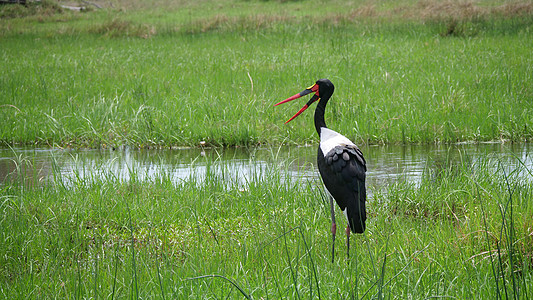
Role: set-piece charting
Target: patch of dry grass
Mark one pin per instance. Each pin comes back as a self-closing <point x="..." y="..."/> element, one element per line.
<point x="224" y="22"/>
<point x="466" y="10"/>
<point x="455" y="15"/>
<point x="118" y="27"/>
<point x="425" y="10"/>
<point x="45" y="8"/>
<point x="441" y="10"/>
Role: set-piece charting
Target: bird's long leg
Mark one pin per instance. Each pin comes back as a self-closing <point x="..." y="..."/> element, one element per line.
<point x="348" y="241"/>
<point x="333" y="228"/>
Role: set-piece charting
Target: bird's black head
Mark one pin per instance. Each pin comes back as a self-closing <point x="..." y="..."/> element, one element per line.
<point x="323" y="89"/>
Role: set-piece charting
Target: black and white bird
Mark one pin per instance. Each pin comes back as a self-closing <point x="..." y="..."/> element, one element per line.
<point x="340" y="162"/>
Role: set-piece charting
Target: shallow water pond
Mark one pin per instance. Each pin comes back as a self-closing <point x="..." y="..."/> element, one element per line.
<point x="386" y="164"/>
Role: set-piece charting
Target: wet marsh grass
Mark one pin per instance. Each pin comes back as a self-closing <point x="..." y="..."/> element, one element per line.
<point x="214" y="237"/>
<point x="177" y="78"/>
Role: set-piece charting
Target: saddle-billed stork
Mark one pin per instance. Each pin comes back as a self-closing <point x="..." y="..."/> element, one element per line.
<point x="340" y="162"/>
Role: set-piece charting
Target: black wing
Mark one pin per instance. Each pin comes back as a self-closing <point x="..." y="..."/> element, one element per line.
<point x="343" y="172"/>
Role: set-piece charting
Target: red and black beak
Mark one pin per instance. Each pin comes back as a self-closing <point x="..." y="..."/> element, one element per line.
<point x="307" y="91"/>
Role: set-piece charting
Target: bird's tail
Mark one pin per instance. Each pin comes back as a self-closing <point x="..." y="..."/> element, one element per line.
<point x="356" y="212"/>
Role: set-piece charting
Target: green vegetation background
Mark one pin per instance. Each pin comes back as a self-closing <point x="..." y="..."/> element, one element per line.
<point x="175" y="74"/>
<point x="178" y="73"/>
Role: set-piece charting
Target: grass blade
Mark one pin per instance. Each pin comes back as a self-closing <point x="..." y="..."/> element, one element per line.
<point x="225" y="278"/>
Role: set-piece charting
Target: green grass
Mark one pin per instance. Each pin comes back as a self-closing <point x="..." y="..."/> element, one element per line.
<point x="185" y="73"/>
<point x="465" y="231"/>
<point x="154" y="78"/>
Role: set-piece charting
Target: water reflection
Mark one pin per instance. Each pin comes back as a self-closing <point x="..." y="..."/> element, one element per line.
<point x="386" y="164"/>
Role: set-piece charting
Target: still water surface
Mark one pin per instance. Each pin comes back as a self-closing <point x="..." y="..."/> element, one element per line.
<point x="386" y="164"/>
